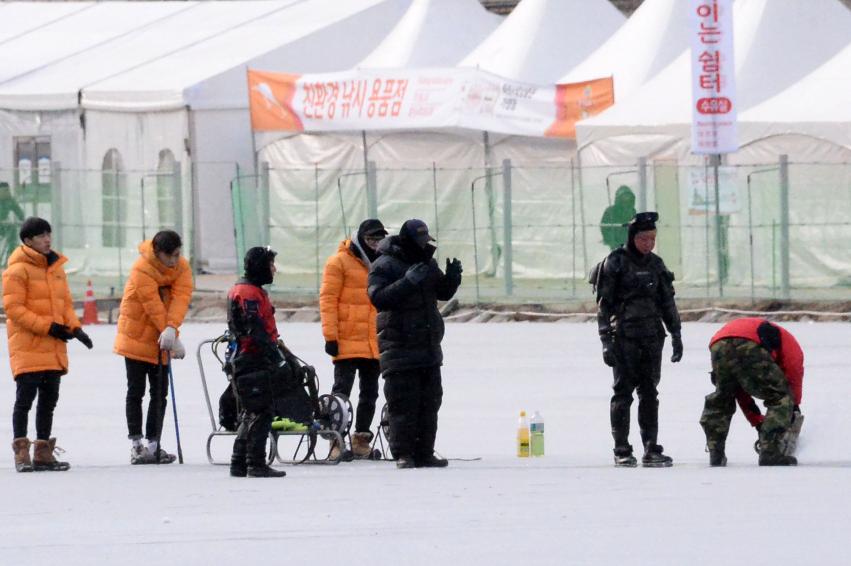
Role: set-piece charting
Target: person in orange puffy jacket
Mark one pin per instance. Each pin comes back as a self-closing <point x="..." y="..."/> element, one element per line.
<point x="348" y="326"/>
<point x="40" y="319"/>
<point x="156" y="298"/>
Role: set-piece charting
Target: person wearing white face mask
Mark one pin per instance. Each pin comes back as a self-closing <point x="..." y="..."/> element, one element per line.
<point x="155" y="301"/>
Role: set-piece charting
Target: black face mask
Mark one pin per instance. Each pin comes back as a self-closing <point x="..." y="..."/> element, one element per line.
<point x="371" y="254"/>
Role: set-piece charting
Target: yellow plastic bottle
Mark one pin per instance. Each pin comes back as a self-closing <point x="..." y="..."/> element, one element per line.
<point x="523" y="436"/>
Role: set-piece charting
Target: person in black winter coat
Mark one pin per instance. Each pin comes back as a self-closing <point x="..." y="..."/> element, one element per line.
<point x="635" y="296"/>
<point x="405" y="284"/>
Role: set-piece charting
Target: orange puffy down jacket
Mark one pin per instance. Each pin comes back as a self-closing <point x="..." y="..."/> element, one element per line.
<point x="348" y="316"/>
<point x="35" y="294"/>
<point x="156" y="296"/>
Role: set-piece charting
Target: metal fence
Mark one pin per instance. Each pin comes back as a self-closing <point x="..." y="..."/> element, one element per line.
<point x="778" y="230"/>
<point x="98" y="217"/>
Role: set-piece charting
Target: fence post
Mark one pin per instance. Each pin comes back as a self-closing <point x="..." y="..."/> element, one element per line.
<point x="720" y="246"/>
<point x="573" y="229"/>
<point x="177" y="188"/>
<point x="784" y="227"/>
<point x="265" y="213"/>
<point x="316" y="220"/>
<point x="371" y="190"/>
<point x="56" y="203"/>
<point x="506" y="226"/>
<point x="642" y="184"/>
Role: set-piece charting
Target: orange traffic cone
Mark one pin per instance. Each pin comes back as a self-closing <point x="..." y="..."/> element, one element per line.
<point x="90" y="306"/>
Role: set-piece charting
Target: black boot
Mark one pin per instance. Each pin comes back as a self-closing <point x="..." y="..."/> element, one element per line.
<point x="265" y="471"/>
<point x="772" y="458"/>
<point x="653" y="457"/>
<point x="431" y="461"/>
<point x="405" y="462"/>
<point x="238" y="467"/>
<point x="717" y="458"/>
<point x="624" y="457"/>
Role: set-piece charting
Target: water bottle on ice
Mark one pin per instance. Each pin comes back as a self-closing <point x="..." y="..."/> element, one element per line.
<point x="536" y="432"/>
<point x="523" y="436"/>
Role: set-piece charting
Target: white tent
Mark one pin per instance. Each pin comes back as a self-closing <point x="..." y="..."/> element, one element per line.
<point x="649" y="40"/>
<point x="818" y="107"/>
<point x="777" y="42"/>
<point x="433" y="33"/>
<point x="136" y="83"/>
<point x="542" y="39"/>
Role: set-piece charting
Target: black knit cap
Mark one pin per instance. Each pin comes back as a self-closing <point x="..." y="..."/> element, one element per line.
<point x="415" y="230"/>
<point x="34" y="226"/>
<point x="371" y="227"/>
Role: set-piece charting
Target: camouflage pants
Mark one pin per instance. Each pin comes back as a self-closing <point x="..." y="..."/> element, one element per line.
<point x="739" y="363"/>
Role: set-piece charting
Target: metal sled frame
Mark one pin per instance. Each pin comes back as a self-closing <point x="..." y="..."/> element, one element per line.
<point x="307" y="440"/>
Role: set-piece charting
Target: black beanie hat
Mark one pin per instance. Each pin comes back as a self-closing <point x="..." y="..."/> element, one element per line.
<point x="256" y="265"/>
<point x="415" y="230"/>
<point x="642" y="222"/>
<point x="34" y="226"/>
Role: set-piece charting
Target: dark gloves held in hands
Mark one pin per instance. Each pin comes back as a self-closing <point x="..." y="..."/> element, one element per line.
<point x="84" y="338"/>
<point x="60" y="331"/>
<point x="454" y="269"/>
<point x="609" y="357"/>
<point x="332" y="348"/>
<point x="417" y="273"/>
<point x="677" y="343"/>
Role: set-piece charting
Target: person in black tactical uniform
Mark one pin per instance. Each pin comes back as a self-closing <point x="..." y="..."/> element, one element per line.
<point x="635" y="295"/>
<point x="256" y="363"/>
<point x="405" y="284"/>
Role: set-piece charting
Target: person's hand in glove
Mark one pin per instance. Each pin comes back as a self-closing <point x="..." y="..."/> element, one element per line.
<point x="167" y="338"/>
<point x="332" y="348"/>
<point x="83" y="337"/>
<point x="454" y="269"/>
<point x="417" y="273"/>
<point x="677" y="344"/>
<point x="609" y="357"/>
<point x="60" y="331"/>
<point x="178" y="352"/>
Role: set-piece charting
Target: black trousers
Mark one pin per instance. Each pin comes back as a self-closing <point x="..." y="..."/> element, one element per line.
<point x="254" y="391"/>
<point x="344" y="379"/>
<point x="413" y="399"/>
<point x="45" y="384"/>
<point x="137" y="374"/>
<point x="638" y="368"/>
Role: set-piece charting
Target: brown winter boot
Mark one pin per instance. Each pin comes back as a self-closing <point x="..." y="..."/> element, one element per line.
<point x="43" y="459"/>
<point x="21" y="446"/>
<point x="360" y="444"/>
<point x="336" y="451"/>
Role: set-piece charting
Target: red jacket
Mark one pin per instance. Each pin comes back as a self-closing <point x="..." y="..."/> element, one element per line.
<point x="788" y="356"/>
<point x="251" y="320"/>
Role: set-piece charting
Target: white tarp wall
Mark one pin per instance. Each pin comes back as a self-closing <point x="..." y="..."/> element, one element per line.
<point x="777" y="42"/>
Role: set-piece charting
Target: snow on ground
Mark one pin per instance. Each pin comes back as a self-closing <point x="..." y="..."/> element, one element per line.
<point x="570" y="507"/>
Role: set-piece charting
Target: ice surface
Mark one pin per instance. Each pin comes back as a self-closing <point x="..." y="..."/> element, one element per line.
<point x="570" y="507"/>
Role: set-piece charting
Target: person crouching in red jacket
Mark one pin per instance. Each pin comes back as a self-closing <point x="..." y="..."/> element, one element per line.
<point x="752" y="357"/>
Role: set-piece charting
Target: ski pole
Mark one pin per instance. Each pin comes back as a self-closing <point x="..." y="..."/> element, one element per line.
<point x="155" y="398"/>
<point x="174" y="410"/>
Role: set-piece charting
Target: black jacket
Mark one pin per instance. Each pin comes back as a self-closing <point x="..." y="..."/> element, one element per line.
<point x="410" y="328"/>
<point x="635" y="294"/>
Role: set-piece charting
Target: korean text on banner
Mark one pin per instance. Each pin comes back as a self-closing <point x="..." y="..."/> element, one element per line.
<point x="714" y="109"/>
<point x="389" y="99"/>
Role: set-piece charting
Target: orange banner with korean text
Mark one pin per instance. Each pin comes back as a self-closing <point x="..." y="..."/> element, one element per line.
<point x="388" y="99"/>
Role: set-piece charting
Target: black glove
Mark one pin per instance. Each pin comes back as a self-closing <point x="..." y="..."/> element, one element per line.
<point x="677" y="343"/>
<point x="454" y="269"/>
<point x="60" y="332"/>
<point x="417" y="273"/>
<point x="84" y="338"/>
<point x="609" y="357"/>
<point x="332" y="348"/>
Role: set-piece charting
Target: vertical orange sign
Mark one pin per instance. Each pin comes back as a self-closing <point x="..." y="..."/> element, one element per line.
<point x="270" y="99"/>
<point x="577" y="101"/>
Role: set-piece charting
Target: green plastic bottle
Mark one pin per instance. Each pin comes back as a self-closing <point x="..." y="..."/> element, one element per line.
<point x="536" y="433"/>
